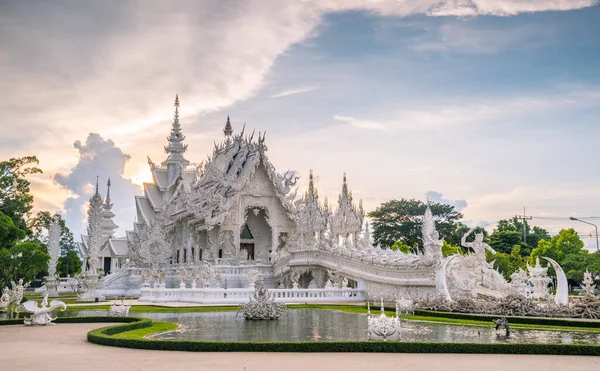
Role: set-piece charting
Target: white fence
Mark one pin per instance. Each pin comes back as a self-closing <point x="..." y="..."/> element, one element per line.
<point x="236" y="295"/>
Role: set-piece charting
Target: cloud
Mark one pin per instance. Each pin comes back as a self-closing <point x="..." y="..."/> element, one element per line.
<point x="437" y="197"/>
<point x="361" y="124"/>
<point x="72" y="68"/>
<point x="285" y="93"/>
<point x="463" y="8"/>
<point x="449" y="111"/>
<point x="467" y="38"/>
<point x="98" y="157"/>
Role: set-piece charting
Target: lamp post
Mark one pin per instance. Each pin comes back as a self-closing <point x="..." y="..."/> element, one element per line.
<point x="595" y="226"/>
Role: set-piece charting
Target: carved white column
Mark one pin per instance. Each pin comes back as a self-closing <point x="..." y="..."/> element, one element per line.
<point x="54" y="251"/>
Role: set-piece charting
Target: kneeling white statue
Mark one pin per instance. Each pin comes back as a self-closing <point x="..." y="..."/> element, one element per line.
<point x="119" y="310"/>
<point x="40" y="316"/>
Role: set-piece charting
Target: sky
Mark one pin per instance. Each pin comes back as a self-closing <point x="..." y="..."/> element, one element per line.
<point x="488" y="105"/>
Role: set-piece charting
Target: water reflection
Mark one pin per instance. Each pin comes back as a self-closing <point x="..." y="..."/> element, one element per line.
<point x="328" y="325"/>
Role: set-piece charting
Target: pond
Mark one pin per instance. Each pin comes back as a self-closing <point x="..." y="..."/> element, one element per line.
<point x="332" y="325"/>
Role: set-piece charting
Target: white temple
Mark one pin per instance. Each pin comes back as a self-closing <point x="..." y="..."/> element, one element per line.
<point x="234" y="219"/>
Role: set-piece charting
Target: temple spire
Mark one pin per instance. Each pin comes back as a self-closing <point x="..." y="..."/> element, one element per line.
<point x="228" y="130"/>
<point x="107" y="204"/>
<point x="96" y="186"/>
<point x="176" y="148"/>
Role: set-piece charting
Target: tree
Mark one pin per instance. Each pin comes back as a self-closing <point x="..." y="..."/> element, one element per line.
<point x="505" y="241"/>
<point x="9" y="232"/>
<point x="39" y="226"/>
<point x="448" y="249"/>
<point x="399" y="246"/>
<point x="69" y="264"/>
<point x="26" y="260"/>
<point x="509" y="233"/>
<point x="567" y="249"/>
<point x="16" y="200"/>
<point x="507" y="264"/>
<point x="401" y="220"/>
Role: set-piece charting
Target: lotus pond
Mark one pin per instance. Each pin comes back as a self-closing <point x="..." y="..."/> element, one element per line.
<point x="335" y="325"/>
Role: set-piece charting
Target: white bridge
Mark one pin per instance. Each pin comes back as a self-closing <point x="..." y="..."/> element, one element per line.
<point x="369" y="277"/>
<point x="242" y="295"/>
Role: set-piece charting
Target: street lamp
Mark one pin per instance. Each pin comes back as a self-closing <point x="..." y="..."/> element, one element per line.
<point x="595" y="226"/>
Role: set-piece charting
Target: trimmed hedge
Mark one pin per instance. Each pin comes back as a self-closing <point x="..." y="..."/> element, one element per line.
<point x="511" y="319"/>
<point x="98" y="337"/>
<point x="103" y="336"/>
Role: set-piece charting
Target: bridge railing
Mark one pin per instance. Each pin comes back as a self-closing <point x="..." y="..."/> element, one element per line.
<point x="242" y="295"/>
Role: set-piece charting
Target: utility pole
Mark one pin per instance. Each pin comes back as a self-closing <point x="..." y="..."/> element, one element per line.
<point x="524" y="217"/>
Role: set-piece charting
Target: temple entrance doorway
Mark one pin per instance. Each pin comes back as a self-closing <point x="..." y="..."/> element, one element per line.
<point x="247" y="250"/>
<point x="107" y="264"/>
<point x="256" y="236"/>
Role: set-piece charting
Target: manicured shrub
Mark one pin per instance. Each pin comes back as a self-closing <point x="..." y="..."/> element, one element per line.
<point x="520" y="320"/>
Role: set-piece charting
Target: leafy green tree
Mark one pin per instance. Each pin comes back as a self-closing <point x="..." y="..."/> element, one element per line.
<point x="568" y="251"/>
<point x="26" y="259"/>
<point x="16" y="201"/>
<point x="69" y="264"/>
<point x="401" y="220"/>
<point x="505" y="241"/>
<point x="593" y="264"/>
<point x="448" y="249"/>
<point x="509" y="233"/>
<point x="399" y="246"/>
<point x="9" y="232"/>
<point x="507" y="264"/>
<point x="40" y="225"/>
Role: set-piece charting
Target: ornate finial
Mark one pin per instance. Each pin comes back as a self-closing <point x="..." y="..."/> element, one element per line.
<point x="107" y="201"/>
<point x="176" y="148"/>
<point x="228" y="130"/>
<point x="96" y="186"/>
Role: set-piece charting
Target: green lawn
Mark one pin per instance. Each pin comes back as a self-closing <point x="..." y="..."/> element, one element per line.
<point x="156" y="327"/>
<point x="486" y="323"/>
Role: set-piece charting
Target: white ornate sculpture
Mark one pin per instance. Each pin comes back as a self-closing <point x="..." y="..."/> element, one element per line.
<point x="4" y="299"/>
<point x="441" y="283"/>
<point x="207" y="273"/>
<point x="184" y="273"/>
<point x="538" y="276"/>
<point x="589" y="287"/>
<point x="89" y="280"/>
<point x="383" y="327"/>
<point x="54" y="252"/>
<point x="152" y="247"/>
<point x="432" y="243"/>
<point x="11" y="298"/>
<point x="94" y="230"/>
<point x="119" y="310"/>
<point x="261" y="305"/>
<point x="294" y="277"/>
<point x="518" y="282"/>
<point x="478" y="246"/>
<point x="40" y="316"/>
<point x="405" y="306"/>
<point x="562" y="286"/>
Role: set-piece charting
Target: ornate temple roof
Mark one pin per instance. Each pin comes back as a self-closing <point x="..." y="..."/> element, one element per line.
<point x="223" y="177"/>
<point x="205" y="195"/>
